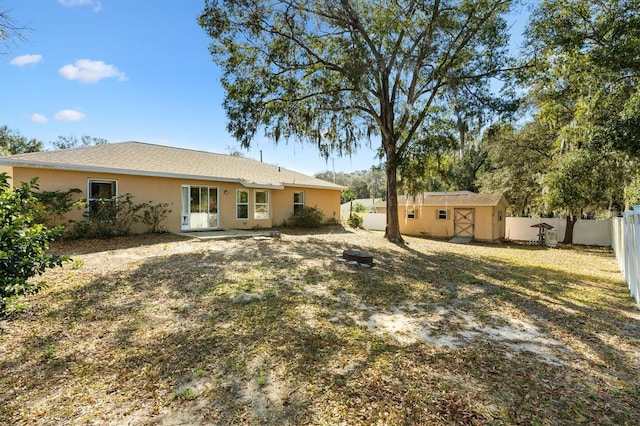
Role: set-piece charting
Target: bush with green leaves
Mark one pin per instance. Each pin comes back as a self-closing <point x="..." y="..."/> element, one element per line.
<point x="308" y="217"/>
<point x="153" y="215"/>
<point x="23" y="241"/>
<point x="113" y="217"/>
<point x="355" y="220"/>
<point x="358" y="208"/>
<point x="56" y="204"/>
<point x="107" y="218"/>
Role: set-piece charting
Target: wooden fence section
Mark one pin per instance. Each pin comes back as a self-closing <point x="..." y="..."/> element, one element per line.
<point x="625" y="234"/>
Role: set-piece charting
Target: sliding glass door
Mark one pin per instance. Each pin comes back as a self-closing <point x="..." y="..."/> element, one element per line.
<point x="199" y="207"/>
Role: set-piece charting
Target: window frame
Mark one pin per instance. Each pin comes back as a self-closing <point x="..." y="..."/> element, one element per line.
<point x="239" y="204"/>
<point x="263" y="215"/>
<point x="411" y="213"/>
<point x="92" y="200"/>
<point x="439" y="214"/>
<point x="299" y="204"/>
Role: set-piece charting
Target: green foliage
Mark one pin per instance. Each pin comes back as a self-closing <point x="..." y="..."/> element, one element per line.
<point x="23" y="242"/>
<point x="12" y="142"/>
<point x="362" y="184"/>
<point x="516" y="161"/>
<point x="358" y="208"/>
<point x="185" y="394"/>
<point x="585" y="88"/>
<point x="56" y="204"/>
<point x="346" y="196"/>
<point x="309" y="217"/>
<point x="68" y="142"/>
<point x="338" y="73"/>
<point x="632" y="192"/>
<point x="355" y="220"/>
<point x="153" y="215"/>
<point x="108" y="218"/>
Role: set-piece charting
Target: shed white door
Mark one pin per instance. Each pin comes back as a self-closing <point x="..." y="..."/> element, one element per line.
<point x="464" y="221"/>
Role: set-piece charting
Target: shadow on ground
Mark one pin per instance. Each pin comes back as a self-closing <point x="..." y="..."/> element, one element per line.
<point x="281" y="331"/>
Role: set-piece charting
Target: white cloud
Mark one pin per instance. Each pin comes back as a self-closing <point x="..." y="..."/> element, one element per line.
<point x="38" y="118"/>
<point x="69" y="115"/>
<point x="96" y="4"/>
<point x="26" y="60"/>
<point x="88" y="71"/>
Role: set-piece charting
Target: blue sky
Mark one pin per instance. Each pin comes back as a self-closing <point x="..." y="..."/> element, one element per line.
<point x="128" y="70"/>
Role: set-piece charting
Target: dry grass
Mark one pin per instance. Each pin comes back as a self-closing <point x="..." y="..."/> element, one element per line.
<point x="163" y="330"/>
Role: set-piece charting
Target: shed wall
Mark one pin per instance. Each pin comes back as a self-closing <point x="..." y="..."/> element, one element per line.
<point x="489" y="225"/>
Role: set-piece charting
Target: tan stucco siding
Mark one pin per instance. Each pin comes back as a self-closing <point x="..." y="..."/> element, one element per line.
<point x="328" y="201"/>
<point x="426" y="221"/>
<point x="487" y="226"/>
<point x="168" y="190"/>
<point x="484" y="223"/>
<point x="9" y="171"/>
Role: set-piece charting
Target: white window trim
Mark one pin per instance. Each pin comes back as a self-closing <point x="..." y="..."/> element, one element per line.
<point x="256" y="204"/>
<point x="446" y="214"/>
<point x="298" y="203"/>
<point x="413" y="215"/>
<point x="89" y="194"/>
<point x="238" y="203"/>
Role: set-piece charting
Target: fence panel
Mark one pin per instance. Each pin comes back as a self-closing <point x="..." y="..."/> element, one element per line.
<point x="625" y="233"/>
<point x="585" y="231"/>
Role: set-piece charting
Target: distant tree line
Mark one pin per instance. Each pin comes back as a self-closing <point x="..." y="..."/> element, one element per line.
<point x="12" y="142"/>
<point x="361" y="184"/>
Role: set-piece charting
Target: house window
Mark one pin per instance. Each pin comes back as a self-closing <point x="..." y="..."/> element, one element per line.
<point x="442" y="214"/>
<point x="298" y="203"/>
<point x="242" y="204"/>
<point x="499" y="215"/>
<point x="261" y="205"/>
<point x="101" y="199"/>
<point x="411" y="213"/>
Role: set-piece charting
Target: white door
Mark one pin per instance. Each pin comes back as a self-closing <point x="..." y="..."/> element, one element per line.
<point x="199" y="208"/>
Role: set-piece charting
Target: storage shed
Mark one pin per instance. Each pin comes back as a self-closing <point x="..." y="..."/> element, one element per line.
<point x="459" y="214"/>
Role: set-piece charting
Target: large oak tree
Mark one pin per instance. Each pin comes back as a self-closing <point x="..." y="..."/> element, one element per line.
<point x="339" y="72"/>
<point x="587" y="90"/>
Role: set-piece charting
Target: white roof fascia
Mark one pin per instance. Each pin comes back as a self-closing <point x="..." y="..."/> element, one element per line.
<point x="94" y="169"/>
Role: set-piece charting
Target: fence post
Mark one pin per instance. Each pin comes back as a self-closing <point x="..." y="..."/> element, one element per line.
<point x="634" y="284"/>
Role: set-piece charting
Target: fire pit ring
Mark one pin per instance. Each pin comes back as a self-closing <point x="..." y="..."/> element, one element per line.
<point x="358" y="256"/>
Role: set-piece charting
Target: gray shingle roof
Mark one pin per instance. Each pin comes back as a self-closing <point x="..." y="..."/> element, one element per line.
<point x="137" y="158"/>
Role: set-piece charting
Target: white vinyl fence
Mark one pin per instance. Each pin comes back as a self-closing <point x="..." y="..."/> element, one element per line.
<point x="626" y="245"/>
<point x="585" y="232"/>
<point x="375" y="221"/>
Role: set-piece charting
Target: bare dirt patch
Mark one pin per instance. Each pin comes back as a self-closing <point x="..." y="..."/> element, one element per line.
<point x="161" y="329"/>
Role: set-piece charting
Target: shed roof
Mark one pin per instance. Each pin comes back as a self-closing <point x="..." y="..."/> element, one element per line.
<point x="456" y="198"/>
<point x="144" y="159"/>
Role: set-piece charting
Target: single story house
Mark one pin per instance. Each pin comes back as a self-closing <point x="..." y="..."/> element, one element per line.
<point x="462" y="214"/>
<point x="205" y="191"/>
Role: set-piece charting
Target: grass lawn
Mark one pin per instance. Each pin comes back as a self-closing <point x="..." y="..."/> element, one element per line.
<point x="166" y="330"/>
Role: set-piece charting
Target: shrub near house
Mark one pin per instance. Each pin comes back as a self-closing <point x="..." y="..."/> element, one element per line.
<point x="23" y="242"/>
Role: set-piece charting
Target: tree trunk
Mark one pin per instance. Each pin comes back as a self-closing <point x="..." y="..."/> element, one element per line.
<point x="392" y="232"/>
<point x="568" y="233"/>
